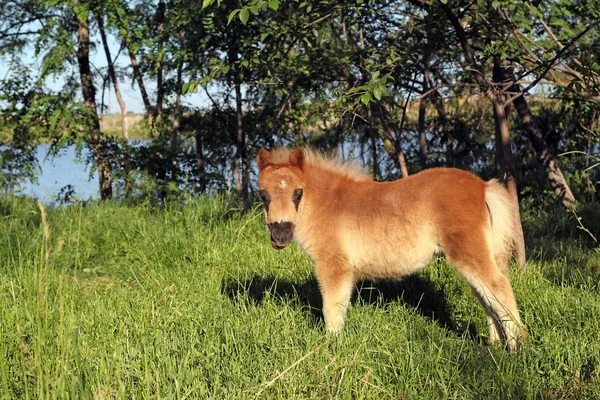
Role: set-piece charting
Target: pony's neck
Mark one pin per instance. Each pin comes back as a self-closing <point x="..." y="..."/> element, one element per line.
<point x="323" y="180"/>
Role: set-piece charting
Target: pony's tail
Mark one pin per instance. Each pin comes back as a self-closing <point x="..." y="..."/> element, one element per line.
<point x="502" y="211"/>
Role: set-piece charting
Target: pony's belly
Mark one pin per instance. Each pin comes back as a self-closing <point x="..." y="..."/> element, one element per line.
<point x="390" y="260"/>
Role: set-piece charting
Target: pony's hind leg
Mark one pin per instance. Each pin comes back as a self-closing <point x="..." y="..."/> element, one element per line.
<point x="474" y="259"/>
<point x="495" y="293"/>
<point x="336" y="283"/>
<point x="494" y="326"/>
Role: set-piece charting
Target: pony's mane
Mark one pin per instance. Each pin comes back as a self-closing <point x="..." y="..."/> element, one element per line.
<point x="314" y="159"/>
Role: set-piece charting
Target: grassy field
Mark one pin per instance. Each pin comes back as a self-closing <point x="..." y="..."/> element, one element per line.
<point x="111" y="125"/>
<point x="191" y="301"/>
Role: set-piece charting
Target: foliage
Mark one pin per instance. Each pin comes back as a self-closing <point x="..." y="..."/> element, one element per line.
<point x="31" y="114"/>
<point x="370" y="80"/>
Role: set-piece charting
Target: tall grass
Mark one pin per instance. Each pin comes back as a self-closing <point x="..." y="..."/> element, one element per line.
<point x="190" y="301"/>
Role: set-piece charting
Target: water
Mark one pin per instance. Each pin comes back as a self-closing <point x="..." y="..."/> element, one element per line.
<point x="66" y="168"/>
<point x="62" y="170"/>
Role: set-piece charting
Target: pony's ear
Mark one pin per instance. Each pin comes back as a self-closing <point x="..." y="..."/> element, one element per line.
<point x="263" y="159"/>
<point x="297" y="158"/>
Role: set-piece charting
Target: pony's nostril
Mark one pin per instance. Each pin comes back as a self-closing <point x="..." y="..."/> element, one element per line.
<point x="282" y="231"/>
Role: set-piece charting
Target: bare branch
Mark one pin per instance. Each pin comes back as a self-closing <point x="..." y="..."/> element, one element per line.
<point x="552" y="62"/>
<point x="553" y="36"/>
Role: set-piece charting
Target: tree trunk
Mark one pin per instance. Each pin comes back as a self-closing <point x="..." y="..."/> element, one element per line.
<point x="137" y="74"/>
<point x="394" y="149"/>
<point x="503" y="134"/>
<point x="536" y="137"/>
<point x="177" y="112"/>
<point x="438" y="101"/>
<point x="240" y="174"/>
<point x="505" y="156"/>
<point x="423" y="102"/>
<point x="422" y="137"/>
<point x="199" y="154"/>
<point x="12" y="165"/>
<point x="553" y="172"/>
<point x="340" y="138"/>
<point x="501" y="120"/>
<point x="97" y="141"/>
<point x="113" y="77"/>
<point x="122" y="105"/>
<point x="396" y="152"/>
<point x="402" y="163"/>
<point x="373" y="138"/>
<point x="160" y="89"/>
<point x="499" y="152"/>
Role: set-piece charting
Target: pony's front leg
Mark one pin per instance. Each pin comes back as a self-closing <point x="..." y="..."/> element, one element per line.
<point x="336" y="282"/>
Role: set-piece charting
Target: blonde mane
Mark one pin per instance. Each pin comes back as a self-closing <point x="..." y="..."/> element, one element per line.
<point x="314" y="159"/>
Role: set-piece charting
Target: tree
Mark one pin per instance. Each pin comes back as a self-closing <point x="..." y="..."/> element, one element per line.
<point x="427" y="83"/>
<point x="62" y="31"/>
<point x="21" y="123"/>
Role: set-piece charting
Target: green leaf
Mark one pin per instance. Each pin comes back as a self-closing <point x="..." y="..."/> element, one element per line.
<point x="377" y="92"/>
<point x="207" y="3"/>
<point x="244" y="15"/>
<point x="185" y="88"/>
<point x="374" y="75"/>
<point x="231" y="16"/>
<point x="274" y="4"/>
<point x="366" y="98"/>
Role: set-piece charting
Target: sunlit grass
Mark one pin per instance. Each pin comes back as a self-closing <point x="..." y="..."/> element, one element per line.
<point x="191" y="301"/>
<point x="111" y="125"/>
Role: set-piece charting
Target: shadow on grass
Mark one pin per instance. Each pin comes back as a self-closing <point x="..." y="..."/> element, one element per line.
<point x="414" y="291"/>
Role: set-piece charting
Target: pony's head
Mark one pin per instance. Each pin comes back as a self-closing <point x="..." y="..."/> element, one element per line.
<point x="281" y="185"/>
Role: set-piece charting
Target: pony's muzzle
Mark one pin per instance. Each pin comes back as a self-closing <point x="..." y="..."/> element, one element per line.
<point x="282" y="234"/>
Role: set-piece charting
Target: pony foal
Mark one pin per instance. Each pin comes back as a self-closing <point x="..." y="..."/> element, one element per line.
<point x="354" y="228"/>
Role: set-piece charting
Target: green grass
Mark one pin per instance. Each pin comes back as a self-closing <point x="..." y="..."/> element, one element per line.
<point x="191" y="301"/>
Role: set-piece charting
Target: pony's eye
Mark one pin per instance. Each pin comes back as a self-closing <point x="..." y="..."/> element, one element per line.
<point x="297" y="196"/>
<point x="264" y="196"/>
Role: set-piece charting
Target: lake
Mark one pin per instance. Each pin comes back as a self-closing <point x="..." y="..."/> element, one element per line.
<point x="64" y="169"/>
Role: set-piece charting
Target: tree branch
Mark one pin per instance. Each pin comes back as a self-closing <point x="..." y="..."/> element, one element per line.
<point x="464" y="42"/>
<point x="552" y="62"/>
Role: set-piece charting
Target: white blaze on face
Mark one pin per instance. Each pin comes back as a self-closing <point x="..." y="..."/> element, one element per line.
<point x="281" y="208"/>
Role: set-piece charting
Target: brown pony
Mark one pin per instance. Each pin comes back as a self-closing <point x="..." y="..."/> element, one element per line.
<point x="353" y="227"/>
